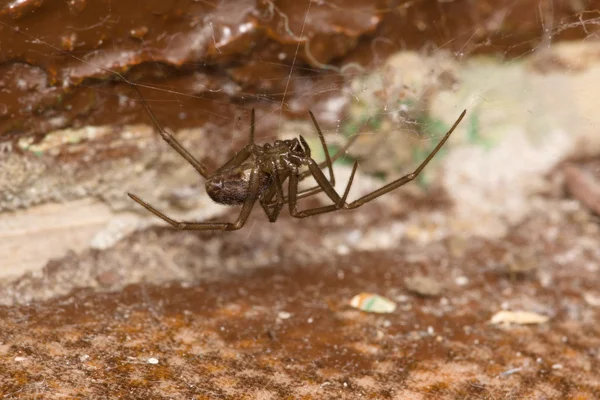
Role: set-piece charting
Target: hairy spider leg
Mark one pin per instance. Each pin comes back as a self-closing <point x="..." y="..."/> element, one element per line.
<point x="205" y="226"/>
<point x="340" y="202"/>
<point x="168" y="137"/>
<point x="407" y="178"/>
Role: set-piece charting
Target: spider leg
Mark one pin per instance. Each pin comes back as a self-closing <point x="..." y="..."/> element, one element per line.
<point x="168" y="137"/>
<point x="237" y="159"/>
<point x="340" y="202"/>
<point x="243" y="154"/>
<point x="325" y="149"/>
<point x="407" y="178"/>
<point x="271" y="190"/>
<point x="308" y="192"/>
<point x="318" y="189"/>
<point x="276" y="188"/>
<point x="207" y="226"/>
<point x="272" y="214"/>
<point x="334" y="158"/>
<point x="301" y="195"/>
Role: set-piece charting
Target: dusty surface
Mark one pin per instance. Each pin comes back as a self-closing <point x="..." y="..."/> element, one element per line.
<point x="286" y="331"/>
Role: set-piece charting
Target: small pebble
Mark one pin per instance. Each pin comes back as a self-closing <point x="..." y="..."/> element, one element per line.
<point x="283" y="315"/>
<point x="108" y="278"/>
<point x="461" y="280"/>
<point x="592" y="299"/>
<point x="423" y="285"/>
<point x="153" y="360"/>
<point x="342" y="249"/>
<point x="402" y="298"/>
<point x="373" y="303"/>
<point x="19" y="359"/>
<point x="139" y="32"/>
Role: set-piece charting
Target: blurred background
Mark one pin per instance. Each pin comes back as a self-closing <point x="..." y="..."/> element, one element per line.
<point x="504" y="219"/>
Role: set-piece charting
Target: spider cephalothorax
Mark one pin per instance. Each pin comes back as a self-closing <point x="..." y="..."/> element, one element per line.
<point x="258" y="173"/>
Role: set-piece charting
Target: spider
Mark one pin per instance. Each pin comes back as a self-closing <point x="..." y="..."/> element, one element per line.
<point x="258" y="172"/>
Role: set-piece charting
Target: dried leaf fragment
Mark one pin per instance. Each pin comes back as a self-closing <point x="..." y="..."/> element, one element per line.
<point x="518" y="317"/>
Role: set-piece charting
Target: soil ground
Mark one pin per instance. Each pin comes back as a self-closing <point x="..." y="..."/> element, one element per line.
<point x="286" y="330"/>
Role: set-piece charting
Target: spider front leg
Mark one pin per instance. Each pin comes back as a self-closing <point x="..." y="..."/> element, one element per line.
<point x="253" y="189"/>
<point x="407" y="178"/>
<point x="340" y="202"/>
<point x="168" y="137"/>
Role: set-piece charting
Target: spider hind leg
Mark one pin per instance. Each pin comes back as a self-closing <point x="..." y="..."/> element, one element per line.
<point x="208" y="226"/>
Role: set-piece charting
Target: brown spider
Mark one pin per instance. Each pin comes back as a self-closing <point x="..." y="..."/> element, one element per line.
<point x="258" y="173"/>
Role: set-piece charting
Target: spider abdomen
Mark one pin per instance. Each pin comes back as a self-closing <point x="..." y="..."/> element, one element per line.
<point x="230" y="187"/>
